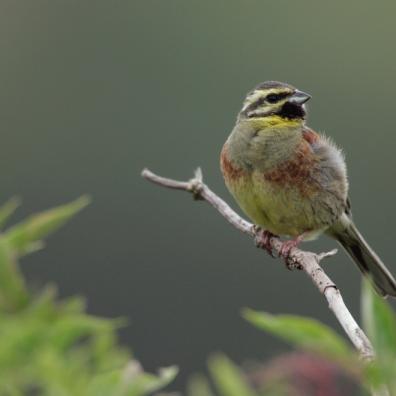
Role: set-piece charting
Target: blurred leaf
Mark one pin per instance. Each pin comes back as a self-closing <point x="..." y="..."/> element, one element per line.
<point x="373" y="376"/>
<point x="10" y="390"/>
<point x="108" y="383"/>
<point x="7" y="209"/>
<point x="278" y="389"/>
<point x="379" y="323"/>
<point x="70" y="328"/>
<point x="104" y="352"/>
<point x="198" y="385"/>
<point x="144" y="383"/>
<point x="13" y="293"/>
<point x="131" y="381"/>
<point x="228" y="378"/>
<point x="25" y="336"/>
<point x="74" y="304"/>
<point x="302" y="332"/>
<point x="25" y="236"/>
<point x="55" y="348"/>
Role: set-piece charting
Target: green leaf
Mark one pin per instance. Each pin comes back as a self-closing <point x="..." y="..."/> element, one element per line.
<point x="145" y="383"/>
<point x="227" y="377"/>
<point x="198" y="385"/>
<point x="379" y="323"/>
<point x="70" y="328"/>
<point x="13" y="292"/>
<point x="7" y="209"/>
<point x="26" y="236"/>
<point x="308" y="334"/>
<point x="131" y="381"/>
<point x="108" y="383"/>
<point x="55" y="348"/>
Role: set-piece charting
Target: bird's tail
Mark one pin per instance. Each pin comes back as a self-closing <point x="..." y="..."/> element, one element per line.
<point x="365" y="258"/>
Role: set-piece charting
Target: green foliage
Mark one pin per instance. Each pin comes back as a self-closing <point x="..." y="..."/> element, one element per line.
<point x="379" y="322"/>
<point x="51" y="347"/>
<point x="335" y="357"/>
<point x="305" y="333"/>
<point x="7" y="210"/>
<point x="227" y="377"/>
<point x="27" y="236"/>
<point x="198" y="385"/>
<point x="54" y="348"/>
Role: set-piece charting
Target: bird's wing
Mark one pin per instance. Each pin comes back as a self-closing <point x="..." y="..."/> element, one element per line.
<point x="331" y="172"/>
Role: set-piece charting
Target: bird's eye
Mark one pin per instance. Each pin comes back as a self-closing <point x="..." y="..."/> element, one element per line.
<point x="273" y="98"/>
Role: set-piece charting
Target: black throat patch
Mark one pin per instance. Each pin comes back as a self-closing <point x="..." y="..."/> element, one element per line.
<point x="291" y="111"/>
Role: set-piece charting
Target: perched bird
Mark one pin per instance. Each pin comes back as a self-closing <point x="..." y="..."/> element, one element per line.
<point x="292" y="181"/>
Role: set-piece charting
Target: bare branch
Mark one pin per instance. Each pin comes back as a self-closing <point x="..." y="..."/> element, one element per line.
<point x="307" y="261"/>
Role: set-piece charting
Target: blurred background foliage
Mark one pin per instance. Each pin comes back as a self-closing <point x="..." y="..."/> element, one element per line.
<point x="52" y="347"/>
<point x="94" y="91"/>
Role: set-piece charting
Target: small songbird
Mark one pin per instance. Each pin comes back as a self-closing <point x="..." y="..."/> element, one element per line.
<point x="292" y="181"/>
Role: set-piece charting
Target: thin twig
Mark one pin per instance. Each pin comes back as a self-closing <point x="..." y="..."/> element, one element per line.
<point x="307" y="261"/>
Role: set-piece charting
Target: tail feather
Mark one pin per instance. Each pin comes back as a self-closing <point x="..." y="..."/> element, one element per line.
<point x="366" y="259"/>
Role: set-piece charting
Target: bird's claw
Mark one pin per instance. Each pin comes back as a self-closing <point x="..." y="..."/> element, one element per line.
<point x="263" y="240"/>
<point x="285" y="251"/>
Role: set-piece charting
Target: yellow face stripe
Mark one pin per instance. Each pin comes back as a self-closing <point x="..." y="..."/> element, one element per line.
<point x="272" y="121"/>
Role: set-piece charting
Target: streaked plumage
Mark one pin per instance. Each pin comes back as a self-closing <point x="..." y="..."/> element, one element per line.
<point x="291" y="180"/>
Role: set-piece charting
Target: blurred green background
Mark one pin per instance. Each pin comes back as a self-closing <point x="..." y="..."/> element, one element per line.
<point x="93" y="91"/>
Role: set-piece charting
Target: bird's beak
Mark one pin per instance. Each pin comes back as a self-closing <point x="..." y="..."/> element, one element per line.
<point x="299" y="97"/>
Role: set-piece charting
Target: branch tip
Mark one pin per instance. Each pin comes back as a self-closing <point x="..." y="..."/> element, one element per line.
<point x="198" y="174"/>
<point x="324" y="255"/>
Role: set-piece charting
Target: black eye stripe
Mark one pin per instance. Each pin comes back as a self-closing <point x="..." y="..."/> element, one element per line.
<point x="264" y="99"/>
<point x="273" y="97"/>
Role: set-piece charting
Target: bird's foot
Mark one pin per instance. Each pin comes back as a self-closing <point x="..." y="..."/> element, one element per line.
<point x="287" y="247"/>
<point x="263" y="240"/>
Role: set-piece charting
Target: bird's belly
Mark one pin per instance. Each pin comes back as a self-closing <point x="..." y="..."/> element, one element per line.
<point x="282" y="210"/>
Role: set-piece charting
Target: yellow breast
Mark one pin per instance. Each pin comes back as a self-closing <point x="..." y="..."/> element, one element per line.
<point x="279" y="201"/>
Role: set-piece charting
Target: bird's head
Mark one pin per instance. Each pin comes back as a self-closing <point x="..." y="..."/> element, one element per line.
<point x="274" y="103"/>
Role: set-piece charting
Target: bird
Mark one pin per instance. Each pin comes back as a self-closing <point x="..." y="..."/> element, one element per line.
<point x="292" y="181"/>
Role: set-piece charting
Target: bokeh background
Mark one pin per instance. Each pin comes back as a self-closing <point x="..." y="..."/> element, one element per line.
<point x="93" y="91"/>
